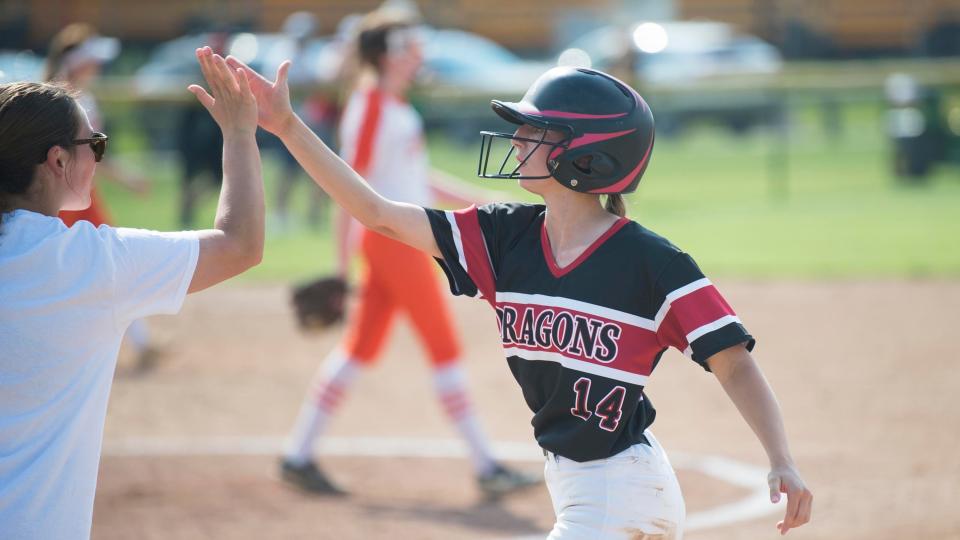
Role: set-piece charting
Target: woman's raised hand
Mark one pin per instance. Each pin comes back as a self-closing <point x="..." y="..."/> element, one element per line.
<point x="273" y="97"/>
<point x="232" y="105"/>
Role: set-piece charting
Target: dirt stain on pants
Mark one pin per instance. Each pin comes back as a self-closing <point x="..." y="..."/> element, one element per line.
<point x="668" y="531"/>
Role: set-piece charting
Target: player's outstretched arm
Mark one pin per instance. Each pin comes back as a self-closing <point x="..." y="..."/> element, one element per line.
<point x="236" y="242"/>
<point x="404" y="222"/>
<point x="743" y="381"/>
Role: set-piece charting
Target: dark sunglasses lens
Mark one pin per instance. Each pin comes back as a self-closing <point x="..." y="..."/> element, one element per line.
<point x="98" y="147"/>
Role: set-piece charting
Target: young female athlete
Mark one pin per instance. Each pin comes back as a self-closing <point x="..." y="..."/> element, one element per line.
<point x="587" y="300"/>
<point x="75" y="59"/>
<point x="68" y="294"/>
<point x="382" y="138"/>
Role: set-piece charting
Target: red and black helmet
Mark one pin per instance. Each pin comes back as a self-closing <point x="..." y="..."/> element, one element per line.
<point x="608" y="130"/>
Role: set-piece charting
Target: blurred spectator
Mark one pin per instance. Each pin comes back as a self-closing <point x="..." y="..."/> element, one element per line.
<point x="75" y="59"/>
<point x="200" y="145"/>
<point x="318" y="109"/>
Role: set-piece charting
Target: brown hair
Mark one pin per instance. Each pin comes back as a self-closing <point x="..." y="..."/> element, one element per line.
<point x="373" y="32"/>
<point x="67" y="39"/>
<point x="615" y="204"/>
<point x="34" y="117"/>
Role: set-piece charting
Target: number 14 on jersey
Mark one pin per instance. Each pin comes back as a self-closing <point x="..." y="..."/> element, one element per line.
<point x="609" y="409"/>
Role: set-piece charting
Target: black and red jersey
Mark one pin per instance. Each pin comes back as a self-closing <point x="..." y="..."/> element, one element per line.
<point x="582" y="340"/>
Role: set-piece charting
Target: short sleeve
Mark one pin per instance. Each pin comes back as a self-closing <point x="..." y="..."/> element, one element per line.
<point x="153" y="270"/>
<point x="693" y="316"/>
<point x="465" y="257"/>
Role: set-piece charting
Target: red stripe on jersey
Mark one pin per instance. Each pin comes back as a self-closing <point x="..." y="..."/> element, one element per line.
<point x="698" y="308"/>
<point x="475" y="252"/>
<point x="614" y="344"/>
<point x="671" y="334"/>
<point x="363" y="153"/>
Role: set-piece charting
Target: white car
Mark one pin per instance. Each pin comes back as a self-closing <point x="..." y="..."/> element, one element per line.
<point x="20" y="66"/>
<point x="676" y="53"/>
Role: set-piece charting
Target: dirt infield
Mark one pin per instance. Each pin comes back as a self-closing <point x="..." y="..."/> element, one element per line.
<point x="865" y="372"/>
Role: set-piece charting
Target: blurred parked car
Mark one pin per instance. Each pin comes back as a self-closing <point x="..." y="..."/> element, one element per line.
<point x="680" y="53"/>
<point x="681" y="65"/>
<point x="461" y="72"/>
<point x="20" y="66"/>
<point x="459" y="60"/>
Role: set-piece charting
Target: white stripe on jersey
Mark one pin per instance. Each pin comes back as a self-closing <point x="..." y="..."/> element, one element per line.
<point x="578" y="365"/>
<point x="457" y="240"/>
<point x="710" y="327"/>
<point x="576" y="305"/>
<point x="675" y="295"/>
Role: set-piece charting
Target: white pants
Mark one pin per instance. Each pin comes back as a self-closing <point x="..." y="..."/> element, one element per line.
<point x="633" y="494"/>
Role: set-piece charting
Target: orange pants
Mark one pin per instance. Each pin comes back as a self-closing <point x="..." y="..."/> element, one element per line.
<point x="399" y="279"/>
<point x="95" y="213"/>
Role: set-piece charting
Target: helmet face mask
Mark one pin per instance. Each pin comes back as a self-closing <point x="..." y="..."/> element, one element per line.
<point x="487" y="142"/>
<point x="607" y="129"/>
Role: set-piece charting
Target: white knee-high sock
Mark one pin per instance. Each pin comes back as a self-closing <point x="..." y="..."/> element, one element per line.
<point x="450" y="384"/>
<point x="326" y="392"/>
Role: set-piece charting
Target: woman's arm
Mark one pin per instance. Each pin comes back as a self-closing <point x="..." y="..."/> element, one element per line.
<point x="743" y="381"/>
<point x="404" y="222"/>
<point x="236" y="242"/>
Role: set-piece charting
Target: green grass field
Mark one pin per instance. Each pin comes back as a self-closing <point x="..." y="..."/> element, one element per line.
<point x="833" y="210"/>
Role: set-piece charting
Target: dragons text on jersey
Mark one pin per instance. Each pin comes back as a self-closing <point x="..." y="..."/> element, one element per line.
<point x="582" y="340"/>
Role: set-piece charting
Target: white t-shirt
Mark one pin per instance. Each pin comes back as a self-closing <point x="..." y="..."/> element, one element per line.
<point x="67" y="296"/>
<point x="390" y="132"/>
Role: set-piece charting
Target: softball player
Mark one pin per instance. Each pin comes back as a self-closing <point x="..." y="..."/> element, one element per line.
<point x="67" y="295"/>
<point x="382" y="138"/>
<point x="587" y="300"/>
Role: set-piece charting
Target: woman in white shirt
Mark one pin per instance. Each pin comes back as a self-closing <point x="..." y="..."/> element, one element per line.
<point x="68" y="294"/>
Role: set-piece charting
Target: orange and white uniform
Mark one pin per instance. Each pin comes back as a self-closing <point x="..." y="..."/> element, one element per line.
<point x="382" y="138"/>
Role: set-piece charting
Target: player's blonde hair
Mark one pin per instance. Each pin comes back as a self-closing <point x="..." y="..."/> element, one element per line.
<point x="615" y="204"/>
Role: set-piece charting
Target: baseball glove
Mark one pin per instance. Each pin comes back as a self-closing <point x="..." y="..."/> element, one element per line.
<point x="321" y="303"/>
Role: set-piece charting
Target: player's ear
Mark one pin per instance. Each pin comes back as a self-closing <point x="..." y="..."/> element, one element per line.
<point x="56" y="161"/>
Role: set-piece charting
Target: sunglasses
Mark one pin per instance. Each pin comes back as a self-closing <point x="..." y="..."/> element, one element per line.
<point x="97" y="142"/>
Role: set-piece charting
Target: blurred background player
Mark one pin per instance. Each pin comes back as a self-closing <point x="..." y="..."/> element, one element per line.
<point x="319" y="110"/>
<point x="200" y="144"/>
<point x="76" y="57"/>
<point x="382" y="138"/>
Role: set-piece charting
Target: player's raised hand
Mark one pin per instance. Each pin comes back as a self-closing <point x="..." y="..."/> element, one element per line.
<point x="232" y="103"/>
<point x="273" y="97"/>
<point x="799" y="499"/>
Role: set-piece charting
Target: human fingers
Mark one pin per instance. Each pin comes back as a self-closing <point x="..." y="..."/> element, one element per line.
<point x="282" y="72"/>
<point x="227" y="75"/>
<point x="790" y="516"/>
<point x="252" y="75"/>
<point x="204" y="55"/>
<point x="244" y="83"/>
<point x="806" y="508"/>
<point x="773" y="480"/>
<point x="203" y="97"/>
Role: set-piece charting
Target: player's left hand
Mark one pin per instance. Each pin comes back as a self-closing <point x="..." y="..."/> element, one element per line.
<point x="799" y="499"/>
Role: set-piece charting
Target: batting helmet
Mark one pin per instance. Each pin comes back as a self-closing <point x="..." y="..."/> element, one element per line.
<point x="608" y="130"/>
